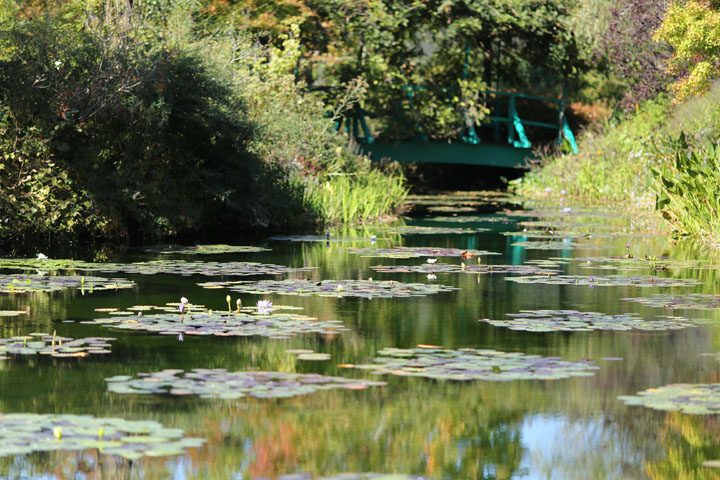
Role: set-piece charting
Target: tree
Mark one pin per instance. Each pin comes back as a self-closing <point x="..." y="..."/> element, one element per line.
<point x="693" y="30"/>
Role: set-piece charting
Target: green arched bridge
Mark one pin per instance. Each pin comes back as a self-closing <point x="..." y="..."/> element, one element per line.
<point x="502" y="139"/>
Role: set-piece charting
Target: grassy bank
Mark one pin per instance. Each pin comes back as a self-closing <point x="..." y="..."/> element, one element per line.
<point x="131" y="125"/>
<point x="662" y="156"/>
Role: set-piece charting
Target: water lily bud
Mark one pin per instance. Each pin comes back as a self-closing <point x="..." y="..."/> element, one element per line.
<point x="57" y="432"/>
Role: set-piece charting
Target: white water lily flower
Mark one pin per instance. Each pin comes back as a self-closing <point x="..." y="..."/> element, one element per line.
<point x="431" y="260"/>
<point x="42" y="257"/>
<point x="432" y="277"/>
<point x="264" y="306"/>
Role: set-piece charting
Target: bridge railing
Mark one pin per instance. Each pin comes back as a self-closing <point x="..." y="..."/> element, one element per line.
<point x="356" y="125"/>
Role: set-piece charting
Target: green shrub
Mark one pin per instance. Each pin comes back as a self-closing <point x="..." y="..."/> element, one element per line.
<point x="138" y="128"/>
<point x="687" y="191"/>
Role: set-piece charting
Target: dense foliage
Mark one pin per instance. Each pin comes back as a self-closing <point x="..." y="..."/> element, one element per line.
<point x="631" y="53"/>
<point x="121" y="122"/>
<point x="693" y="30"/>
<point x="451" y="51"/>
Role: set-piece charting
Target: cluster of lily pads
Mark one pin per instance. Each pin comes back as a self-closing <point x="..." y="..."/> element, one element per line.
<point x="697" y="399"/>
<point x="415" y="252"/>
<point x="472" y="364"/>
<point x="219" y="383"/>
<point x="631" y="262"/>
<point x="688" y="301"/>
<point x="320" y="238"/>
<point x="54" y="346"/>
<point x="462" y="268"/>
<point x="21" y="283"/>
<point x="554" y="245"/>
<point x="176" y="267"/>
<point x="205" y="249"/>
<point x="23" y="433"/>
<point x="333" y="288"/>
<point x="470" y="219"/>
<point x="197" y="320"/>
<point x="573" y="321"/>
<point x="424" y="230"/>
<point x="607" y="280"/>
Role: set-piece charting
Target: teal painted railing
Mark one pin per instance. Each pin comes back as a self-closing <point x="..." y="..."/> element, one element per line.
<point x="356" y="119"/>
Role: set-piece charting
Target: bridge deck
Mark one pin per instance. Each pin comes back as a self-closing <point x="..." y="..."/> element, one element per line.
<point x="457" y="153"/>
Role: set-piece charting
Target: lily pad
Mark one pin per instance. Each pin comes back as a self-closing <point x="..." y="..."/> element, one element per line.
<point x="470" y="268"/>
<point x="695" y="399"/>
<point x="332" y="288"/>
<point x="205" y="249"/>
<point x="473" y="364"/>
<point x="24" y="433"/>
<point x="607" y="280"/>
<point x="555" y="245"/>
<point x="421" y="230"/>
<point x="12" y="313"/>
<point x="21" y="283"/>
<point x="314" y="357"/>
<point x="451" y="209"/>
<point x="319" y="238"/>
<point x="630" y="262"/>
<point x="247" y="322"/>
<point x="470" y="219"/>
<point x="55" y="346"/>
<point x="688" y="301"/>
<point x="573" y="320"/>
<point x="178" y="267"/>
<point x="415" y="252"/>
<point x="219" y="383"/>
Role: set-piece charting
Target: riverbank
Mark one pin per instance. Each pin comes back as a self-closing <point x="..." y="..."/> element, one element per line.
<point x="661" y="157"/>
<point x="125" y="126"/>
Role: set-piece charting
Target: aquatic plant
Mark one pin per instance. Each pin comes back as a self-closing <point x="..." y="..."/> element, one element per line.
<point x="24" y="433"/>
<point x="264" y="306"/>
<point x="178" y="267"/>
<point x="219" y="383"/>
<point x="472" y="364"/>
<point x="473" y="268"/>
<point x="54" y="345"/>
<point x="413" y="252"/>
<point x="20" y="283"/>
<point x="332" y="288"/>
<point x="607" y="280"/>
<point x="425" y="230"/>
<point x="573" y="321"/>
<point x="204" y="249"/>
<point x="696" y="399"/>
<point x="689" y="301"/>
<point x="198" y="320"/>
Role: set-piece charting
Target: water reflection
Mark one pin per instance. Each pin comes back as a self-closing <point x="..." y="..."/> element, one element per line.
<point x="573" y="428"/>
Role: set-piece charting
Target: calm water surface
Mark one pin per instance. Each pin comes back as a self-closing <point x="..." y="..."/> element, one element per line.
<point x="572" y="428"/>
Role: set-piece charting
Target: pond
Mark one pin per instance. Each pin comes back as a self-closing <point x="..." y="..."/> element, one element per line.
<point x="509" y="344"/>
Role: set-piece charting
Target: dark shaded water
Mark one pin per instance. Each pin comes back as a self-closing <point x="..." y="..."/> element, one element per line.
<point x="569" y="428"/>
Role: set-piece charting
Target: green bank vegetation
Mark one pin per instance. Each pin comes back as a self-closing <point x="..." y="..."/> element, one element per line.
<point x="663" y="154"/>
<point x="131" y="123"/>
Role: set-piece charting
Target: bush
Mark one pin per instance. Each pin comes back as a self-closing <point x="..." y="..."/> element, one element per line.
<point x="136" y="128"/>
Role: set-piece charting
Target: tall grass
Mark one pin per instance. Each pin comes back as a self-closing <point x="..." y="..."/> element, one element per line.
<point x="688" y="192"/>
<point x="615" y="161"/>
<point x="362" y="196"/>
<point x="661" y="157"/>
<point x="613" y="164"/>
